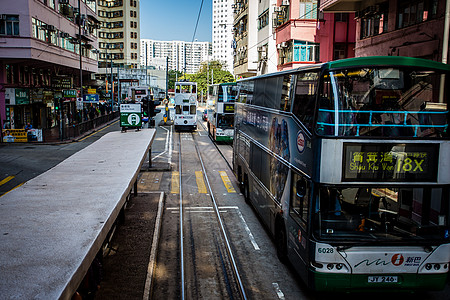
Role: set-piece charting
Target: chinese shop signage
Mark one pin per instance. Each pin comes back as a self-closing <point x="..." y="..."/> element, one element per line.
<point x="390" y="162"/>
<point x="22" y="96"/>
<point x="70" y="93"/>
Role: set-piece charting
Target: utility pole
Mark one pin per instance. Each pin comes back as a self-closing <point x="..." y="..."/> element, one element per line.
<point x="112" y="84"/>
<point x="167" y="77"/>
<point x="81" y="58"/>
<point x="146" y="65"/>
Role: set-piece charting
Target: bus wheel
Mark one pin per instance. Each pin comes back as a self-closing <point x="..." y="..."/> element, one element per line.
<point x="281" y="245"/>
<point x="246" y="192"/>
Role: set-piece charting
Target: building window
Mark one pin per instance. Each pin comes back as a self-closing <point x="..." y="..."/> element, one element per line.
<point x="374" y="20"/>
<point x="9" y="25"/>
<point x="339" y="51"/>
<point x="308" y="9"/>
<point x="415" y="11"/>
<point x="305" y="51"/>
<point x="263" y="19"/>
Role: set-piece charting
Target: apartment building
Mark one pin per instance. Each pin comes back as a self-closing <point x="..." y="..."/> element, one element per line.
<point x="305" y="35"/>
<point x="245" y="38"/>
<point x="44" y="59"/>
<point x="222" y="32"/>
<point x="414" y="28"/>
<point x="118" y="38"/>
<point x="182" y="56"/>
<point x="266" y="46"/>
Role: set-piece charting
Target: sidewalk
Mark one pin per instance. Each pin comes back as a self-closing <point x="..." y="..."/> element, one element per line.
<point x="52" y="136"/>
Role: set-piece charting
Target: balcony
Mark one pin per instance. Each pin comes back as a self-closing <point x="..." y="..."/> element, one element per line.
<point x="340" y="5"/>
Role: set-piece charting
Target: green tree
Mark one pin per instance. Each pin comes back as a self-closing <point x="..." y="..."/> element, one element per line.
<point x="209" y="72"/>
<point x="173" y="75"/>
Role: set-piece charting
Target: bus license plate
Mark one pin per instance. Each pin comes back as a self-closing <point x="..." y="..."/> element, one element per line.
<point x="382" y="279"/>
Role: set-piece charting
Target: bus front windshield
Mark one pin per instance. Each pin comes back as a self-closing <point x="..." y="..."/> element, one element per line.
<point x="384" y="102"/>
<point x="225" y="121"/>
<point x="382" y="214"/>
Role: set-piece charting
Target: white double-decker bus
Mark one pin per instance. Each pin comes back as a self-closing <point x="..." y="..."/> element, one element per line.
<point x="185" y="105"/>
<point x="348" y="165"/>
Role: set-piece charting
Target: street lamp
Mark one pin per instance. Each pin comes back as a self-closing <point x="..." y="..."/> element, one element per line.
<point x="106" y="67"/>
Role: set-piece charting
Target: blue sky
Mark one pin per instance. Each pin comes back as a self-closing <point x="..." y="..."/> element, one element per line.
<point x="169" y="20"/>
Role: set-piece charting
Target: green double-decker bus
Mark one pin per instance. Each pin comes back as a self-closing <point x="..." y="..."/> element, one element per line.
<point x="348" y="165"/>
<point x="220" y="111"/>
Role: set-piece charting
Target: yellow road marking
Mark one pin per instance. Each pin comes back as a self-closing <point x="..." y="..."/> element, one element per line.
<point x="97" y="131"/>
<point x="175" y="182"/>
<point x="200" y="182"/>
<point x="6" y="180"/>
<point x="227" y="182"/>
<point x="12" y="189"/>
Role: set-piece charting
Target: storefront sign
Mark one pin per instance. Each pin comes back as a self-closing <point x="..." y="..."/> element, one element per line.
<point x="62" y="82"/>
<point x="90" y="98"/>
<point x="390" y="162"/>
<point x="22" y="96"/>
<point x="70" y="93"/>
<point x="92" y="91"/>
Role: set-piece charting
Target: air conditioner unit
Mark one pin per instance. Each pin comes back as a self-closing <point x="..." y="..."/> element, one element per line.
<point x="277" y="9"/>
<point x="49" y="27"/>
<point x="279" y="46"/>
<point x="64" y="34"/>
<point x="260" y="48"/>
<point x="63" y="1"/>
<point x="284" y="44"/>
<point x="285" y="3"/>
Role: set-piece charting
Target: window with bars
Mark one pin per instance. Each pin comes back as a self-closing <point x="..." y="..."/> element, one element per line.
<point x="308" y="9"/>
<point x="306" y="51"/>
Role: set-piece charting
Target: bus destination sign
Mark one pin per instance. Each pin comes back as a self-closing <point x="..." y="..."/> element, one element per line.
<point x="390" y="162"/>
<point x="228" y="108"/>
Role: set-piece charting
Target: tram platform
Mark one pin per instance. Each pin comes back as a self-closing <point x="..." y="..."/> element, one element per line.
<point x="53" y="226"/>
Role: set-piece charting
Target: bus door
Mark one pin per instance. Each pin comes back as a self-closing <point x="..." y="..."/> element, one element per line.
<point x="297" y="223"/>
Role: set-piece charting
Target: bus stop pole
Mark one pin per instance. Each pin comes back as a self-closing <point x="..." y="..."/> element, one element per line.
<point x="150" y="158"/>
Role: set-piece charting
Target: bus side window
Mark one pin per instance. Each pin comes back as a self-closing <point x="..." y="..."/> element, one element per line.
<point x="285" y="104"/>
<point x="305" y="95"/>
<point x="300" y="199"/>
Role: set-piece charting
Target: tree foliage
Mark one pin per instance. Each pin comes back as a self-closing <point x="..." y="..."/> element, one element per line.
<point x="173" y="75"/>
<point x="210" y="72"/>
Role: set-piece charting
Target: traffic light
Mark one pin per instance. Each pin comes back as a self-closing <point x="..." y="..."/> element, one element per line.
<point x="151" y="109"/>
<point x="57" y="104"/>
<point x="145" y="106"/>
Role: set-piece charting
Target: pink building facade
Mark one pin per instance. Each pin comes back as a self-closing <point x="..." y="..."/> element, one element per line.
<point x="40" y="59"/>
<point x="413" y="28"/>
<point x="306" y="36"/>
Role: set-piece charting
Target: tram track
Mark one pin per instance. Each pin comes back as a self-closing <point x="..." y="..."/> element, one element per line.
<point x="229" y="283"/>
<point x="216" y="146"/>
